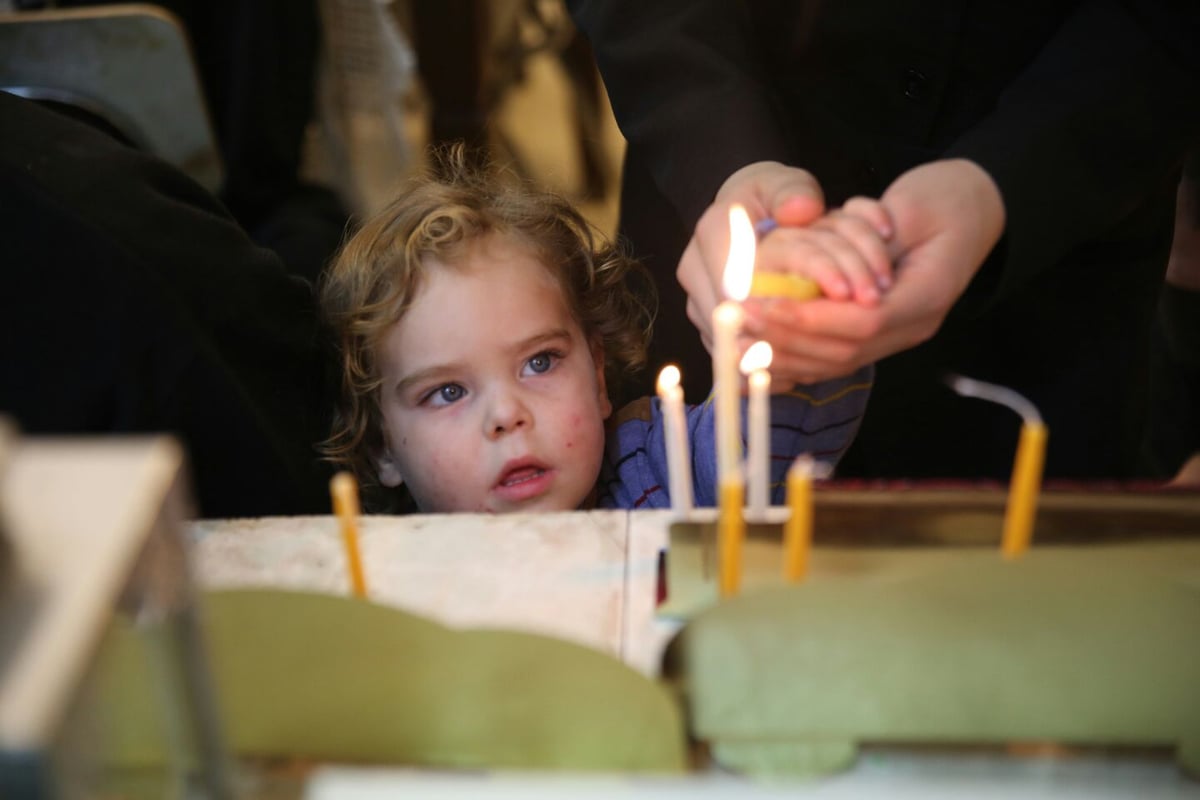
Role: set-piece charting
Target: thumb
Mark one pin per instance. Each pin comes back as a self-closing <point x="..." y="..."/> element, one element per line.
<point x="799" y="209"/>
<point x="794" y="197"/>
<point x="789" y="195"/>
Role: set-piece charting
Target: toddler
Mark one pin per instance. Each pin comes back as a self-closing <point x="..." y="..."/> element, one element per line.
<point x="482" y="325"/>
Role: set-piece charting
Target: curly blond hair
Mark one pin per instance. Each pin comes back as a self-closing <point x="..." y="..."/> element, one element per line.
<point x="379" y="271"/>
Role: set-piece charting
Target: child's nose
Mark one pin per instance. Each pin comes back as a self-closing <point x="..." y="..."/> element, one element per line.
<point x="507" y="413"/>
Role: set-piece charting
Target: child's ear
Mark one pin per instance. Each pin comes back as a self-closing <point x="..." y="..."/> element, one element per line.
<point x="598" y="362"/>
<point x="388" y="469"/>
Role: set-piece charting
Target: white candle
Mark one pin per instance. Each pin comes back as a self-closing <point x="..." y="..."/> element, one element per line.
<point x="727" y="320"/>
<point x="758" y="456"/>
<point x="670" y="397"/>
<point x="727" y="324"/>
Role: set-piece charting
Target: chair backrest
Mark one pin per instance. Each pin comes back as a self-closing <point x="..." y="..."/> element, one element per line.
<point x="128" y="67"/>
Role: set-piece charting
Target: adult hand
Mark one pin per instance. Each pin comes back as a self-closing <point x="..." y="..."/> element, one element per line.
<point x="946" y="216"/>
<point x="767" y="189"/>
<point x="1189" y="473"/>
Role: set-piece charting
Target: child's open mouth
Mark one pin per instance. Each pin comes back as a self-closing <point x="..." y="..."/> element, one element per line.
<point x="524" y="481"/>
<point x="521" y="475"/>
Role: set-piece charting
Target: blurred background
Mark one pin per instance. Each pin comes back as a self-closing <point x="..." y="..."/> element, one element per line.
<point x="314" y="110"/>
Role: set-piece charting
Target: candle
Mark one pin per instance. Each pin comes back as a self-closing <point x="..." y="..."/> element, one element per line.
<point x="797" y="531"/>
<point x="758" y="451"/>
<point x="727" y="323"/>
<point x="670" y="397"/>
<point x="731" y="534"/>
<point x="783" y="285"/>
<point x="1021" y="510"/>
<point x="344" y="490"/>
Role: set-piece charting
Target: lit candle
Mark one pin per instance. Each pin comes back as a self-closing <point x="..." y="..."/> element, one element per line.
<point x="1023" y="490"/>
<point x="344" y="490"/>
<point x="670" y="397"/>
<point x="758" y="451"/>
<point x="727" y="323"/>
<point x="797" y="531"/>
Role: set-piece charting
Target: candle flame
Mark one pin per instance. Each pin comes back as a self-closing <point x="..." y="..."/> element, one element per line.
<point x="668" y="378"/>
<point x="757" y="357"/>
<point x="739" y="267"/>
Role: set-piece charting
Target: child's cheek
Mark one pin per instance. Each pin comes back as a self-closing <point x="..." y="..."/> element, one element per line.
<point x="576" y="423"/>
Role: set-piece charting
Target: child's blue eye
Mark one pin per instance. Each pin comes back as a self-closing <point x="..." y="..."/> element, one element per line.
<point x="542" y="362"/>
<point x="447" y="394"/>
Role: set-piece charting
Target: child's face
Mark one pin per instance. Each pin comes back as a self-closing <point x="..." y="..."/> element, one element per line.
<point x="492" y="398"/>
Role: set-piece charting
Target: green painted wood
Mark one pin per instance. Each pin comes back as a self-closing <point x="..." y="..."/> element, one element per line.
<point x="312" y="676"/>
<point x="1096" y="645"/>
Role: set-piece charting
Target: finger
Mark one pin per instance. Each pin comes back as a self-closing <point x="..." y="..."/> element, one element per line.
<point x="815" y="358"/>
<point x="812" y="254"/>
<point x="878" y="331"/>
<point x="817" y="346"/>
<point x="873" y="212"/>
<point x="703" y="323"/>
<point x="697" y="276"/>
<point x="865" y="241"/>
<point x="832" y="318"/>
<point x="790" y="195"/>
<point x="851" y="263"/>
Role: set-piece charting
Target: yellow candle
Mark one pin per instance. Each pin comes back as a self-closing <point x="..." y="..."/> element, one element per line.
<point x="731" y="533"/>
<point x="797" y="531"/>
<point x="1027" y="466"/>
<point x="1023" y="490"/>
<point x="670" y="396"/>
<point x="344" y="490"/>
<point x="758" y="451"/>
<point x="783" y="285"/>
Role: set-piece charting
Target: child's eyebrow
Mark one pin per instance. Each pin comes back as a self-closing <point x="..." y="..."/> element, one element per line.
<point x="553" y="335"/>
<point x="421" y="376"/>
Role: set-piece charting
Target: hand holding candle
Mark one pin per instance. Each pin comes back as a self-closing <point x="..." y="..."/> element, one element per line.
<point x="344" y="490"/>
<point x="670" y="396"/>
<point x="758" y="452"/>
<point x="1021" y="511"/>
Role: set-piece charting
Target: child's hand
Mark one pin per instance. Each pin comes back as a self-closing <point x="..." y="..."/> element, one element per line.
<point x="844" y="252"/>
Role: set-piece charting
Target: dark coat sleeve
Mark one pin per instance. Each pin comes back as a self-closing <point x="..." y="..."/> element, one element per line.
<point x="1092" y="130"/>
<point x="134" y="303"/>
<point x="689" y="88"/>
